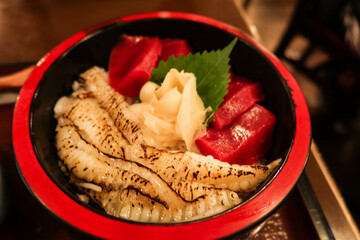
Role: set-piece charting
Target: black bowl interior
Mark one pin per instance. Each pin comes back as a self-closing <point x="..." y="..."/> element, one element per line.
<point x="246" y="61"/>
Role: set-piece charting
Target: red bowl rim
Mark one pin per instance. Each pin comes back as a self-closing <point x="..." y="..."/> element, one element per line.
<point x="53" y="198"/>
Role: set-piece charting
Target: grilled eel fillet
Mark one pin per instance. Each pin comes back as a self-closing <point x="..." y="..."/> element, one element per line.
<point x="133" y="205"/>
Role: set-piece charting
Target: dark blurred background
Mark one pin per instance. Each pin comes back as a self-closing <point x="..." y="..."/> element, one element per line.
<point x="318" y="40"/>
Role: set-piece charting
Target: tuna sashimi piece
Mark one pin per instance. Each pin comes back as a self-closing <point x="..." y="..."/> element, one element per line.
<point x="242" y="94"/>
<point x="245" y="141"/>
<point x="131" y="62"/>
<point x="174" y="47"/>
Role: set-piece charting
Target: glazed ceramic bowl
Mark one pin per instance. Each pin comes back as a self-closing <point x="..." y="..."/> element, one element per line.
<point x="34" y="125"/>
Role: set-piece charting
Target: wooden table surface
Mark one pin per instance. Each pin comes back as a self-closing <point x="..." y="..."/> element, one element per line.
<point x="29" y="29"/>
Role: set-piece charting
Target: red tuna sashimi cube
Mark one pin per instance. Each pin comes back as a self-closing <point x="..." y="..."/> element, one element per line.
<point x="245" y="141"/>
<point x="242" y="94"/>
<point x="173" y="47"/>
<point x="131" y="63"/>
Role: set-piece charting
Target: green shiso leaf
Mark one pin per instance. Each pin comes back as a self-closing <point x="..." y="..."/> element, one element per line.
<point x="211" y="70"/>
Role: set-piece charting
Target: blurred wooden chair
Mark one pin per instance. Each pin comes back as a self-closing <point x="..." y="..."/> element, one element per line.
<point x="319" y="23"/>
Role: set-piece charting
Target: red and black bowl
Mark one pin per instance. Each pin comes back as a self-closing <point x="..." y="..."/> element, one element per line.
<point x="34" y="124"/>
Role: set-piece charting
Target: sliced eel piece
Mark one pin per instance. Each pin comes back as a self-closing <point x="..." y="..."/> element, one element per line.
<point x="193" y="190"/>
<point x="87" y="163"/>
<point x="96" y="81"/>
<point x="187" y="166"/>
<point x="133" y="205"/>
<point x="93" y="123"/>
